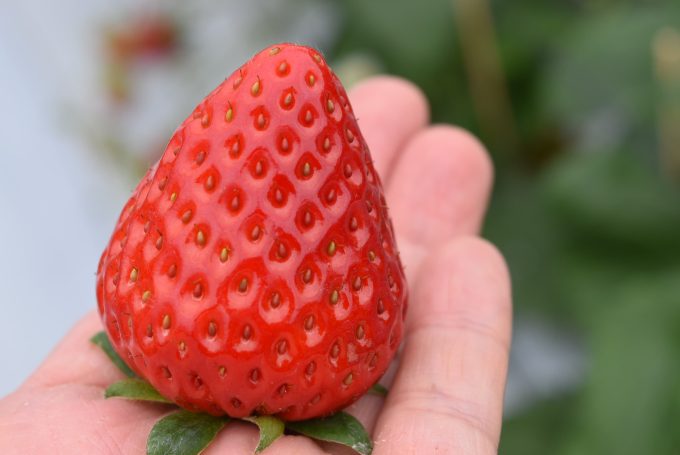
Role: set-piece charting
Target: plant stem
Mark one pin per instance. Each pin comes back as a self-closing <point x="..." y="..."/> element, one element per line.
<point x="666" y="52"/>
<point x="486" y="78"/>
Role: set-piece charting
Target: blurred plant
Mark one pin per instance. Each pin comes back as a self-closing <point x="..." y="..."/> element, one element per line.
<point x="666" y="48"/>
<point x="485" y="75"/>
<point x="148" y="35"/>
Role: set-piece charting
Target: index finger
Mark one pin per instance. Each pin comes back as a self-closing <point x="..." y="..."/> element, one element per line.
<point x="389" y="111"/>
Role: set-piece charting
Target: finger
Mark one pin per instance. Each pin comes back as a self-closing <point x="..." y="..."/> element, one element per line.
<point x="439" y="189"/>
<point x="389" y="111"/>
<point x="76" y="359"/>
<point x="448" y="392"/>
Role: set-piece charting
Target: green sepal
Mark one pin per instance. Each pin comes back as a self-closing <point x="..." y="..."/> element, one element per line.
<point x="183" y="433"/>
<point x="135" y="389"/>
<point x="271" y="429"/>
<point x="101" y="340"/>
<point x="378" y="389"/>
<point x="340" y="427"/>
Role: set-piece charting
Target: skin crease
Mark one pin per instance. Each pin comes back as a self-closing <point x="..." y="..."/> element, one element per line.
<point x="447" y="383"/>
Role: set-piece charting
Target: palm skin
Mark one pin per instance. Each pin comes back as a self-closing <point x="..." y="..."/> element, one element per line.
<point x="447" y="384"/>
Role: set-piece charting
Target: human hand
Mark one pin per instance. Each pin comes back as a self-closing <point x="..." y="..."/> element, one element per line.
<point x="448" y="381"/>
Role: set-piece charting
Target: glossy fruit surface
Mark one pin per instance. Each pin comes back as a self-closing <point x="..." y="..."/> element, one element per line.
<point x="254" y="269"/>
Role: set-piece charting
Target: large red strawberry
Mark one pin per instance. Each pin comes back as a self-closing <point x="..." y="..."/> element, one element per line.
<point x="254" y="269"/>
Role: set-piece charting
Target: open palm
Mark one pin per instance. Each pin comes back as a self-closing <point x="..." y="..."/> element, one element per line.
<point x="446" y="386"/>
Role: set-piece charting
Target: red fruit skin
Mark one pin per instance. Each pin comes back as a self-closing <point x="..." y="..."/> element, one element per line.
<point x="204" y="289"/>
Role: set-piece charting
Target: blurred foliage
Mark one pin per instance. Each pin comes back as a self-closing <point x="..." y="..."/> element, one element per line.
<point x="415" y="40"/>
<point x="589" y="226"/>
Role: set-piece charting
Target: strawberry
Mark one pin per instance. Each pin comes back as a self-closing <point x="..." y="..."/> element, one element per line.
<point x="254" y="270"/>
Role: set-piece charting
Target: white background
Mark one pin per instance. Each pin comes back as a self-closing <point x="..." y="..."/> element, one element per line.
<point x="57" y="202"/>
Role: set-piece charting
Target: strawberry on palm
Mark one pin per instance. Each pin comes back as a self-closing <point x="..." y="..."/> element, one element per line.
<point x="254" y="269"/>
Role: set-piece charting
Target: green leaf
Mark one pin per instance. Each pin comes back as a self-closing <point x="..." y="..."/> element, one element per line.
<point x="135" y="389"/>
<point x="340" y="427"/>
<point x="101" y="340"/>
<point x="378" y="389"/>
<point x="615" y="198"/>
<point x="271" y="429"/>
<point x="183" y="433"/>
